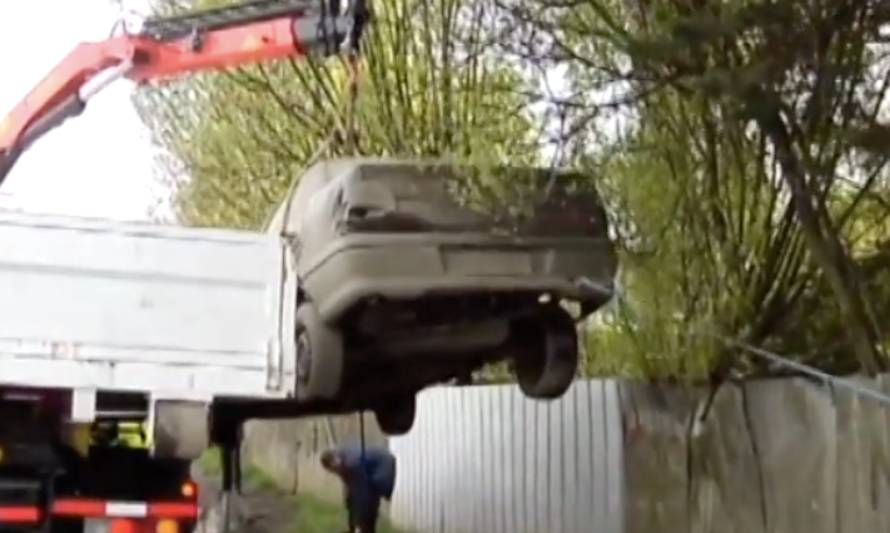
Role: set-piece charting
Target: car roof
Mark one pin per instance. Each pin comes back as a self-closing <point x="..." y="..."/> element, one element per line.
<point x="322" y="172"/>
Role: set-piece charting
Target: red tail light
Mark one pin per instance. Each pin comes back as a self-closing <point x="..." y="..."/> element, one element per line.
<point x="19" y="515"/>
<point x="75" y="507"/>
<point x="189" y="490"/>
<point x="173" y="510"/>
<point x="124" y="526"/>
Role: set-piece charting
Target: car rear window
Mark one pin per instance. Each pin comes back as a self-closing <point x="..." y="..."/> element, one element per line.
<point x="503" y="201"/>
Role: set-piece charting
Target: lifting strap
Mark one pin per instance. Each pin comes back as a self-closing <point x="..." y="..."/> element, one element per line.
<point x="324" y="148"/>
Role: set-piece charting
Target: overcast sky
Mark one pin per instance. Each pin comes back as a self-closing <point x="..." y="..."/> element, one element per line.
<point x="98" y="164"/>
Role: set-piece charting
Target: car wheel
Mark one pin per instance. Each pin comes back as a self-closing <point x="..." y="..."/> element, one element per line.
<point x="548" y="354"/>
<point x="396" y="416"/>
<point x="319" y="349"/>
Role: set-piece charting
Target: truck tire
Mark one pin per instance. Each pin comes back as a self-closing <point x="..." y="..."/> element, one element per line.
<point x="68" y="525"/>
<point x="396" y="415"/>
<point x="547" y="357"/>
<point x="319" y="349"/>
<point x="181" y="430"/>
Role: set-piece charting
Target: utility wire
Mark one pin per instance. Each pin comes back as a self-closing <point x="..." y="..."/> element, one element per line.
<point x="833" y="381"/>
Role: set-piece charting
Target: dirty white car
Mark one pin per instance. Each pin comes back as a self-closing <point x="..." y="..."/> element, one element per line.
<point x="413" y="273"/>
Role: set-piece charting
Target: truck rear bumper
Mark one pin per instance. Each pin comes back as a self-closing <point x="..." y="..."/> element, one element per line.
<point x="185" y="512"/>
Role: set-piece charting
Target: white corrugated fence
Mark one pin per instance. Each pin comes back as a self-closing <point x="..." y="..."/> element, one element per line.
<point x="488" y="459"/>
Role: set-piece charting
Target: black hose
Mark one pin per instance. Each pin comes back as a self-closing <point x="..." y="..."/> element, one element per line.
<point x="70" y="107"/>
<point x="7" y="161"/>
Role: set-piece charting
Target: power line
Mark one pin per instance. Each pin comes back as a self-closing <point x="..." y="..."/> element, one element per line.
<point x="834" y="381"/>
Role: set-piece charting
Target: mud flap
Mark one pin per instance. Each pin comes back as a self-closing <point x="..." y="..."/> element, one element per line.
<point x="181" y="430"/>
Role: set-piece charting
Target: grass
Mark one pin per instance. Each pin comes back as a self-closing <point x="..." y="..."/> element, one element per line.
<point x="317" y="516"/>
<point x="311" y="513"/>
<point x="210" y="462"/>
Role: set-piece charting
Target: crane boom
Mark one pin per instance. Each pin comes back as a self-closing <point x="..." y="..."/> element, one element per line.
<point x="220" y="38"/>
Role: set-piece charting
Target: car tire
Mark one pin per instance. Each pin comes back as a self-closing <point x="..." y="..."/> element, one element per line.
<point x="547" y="357"/>
<point x="319" y="349"/>
<point x="396" y="416"/>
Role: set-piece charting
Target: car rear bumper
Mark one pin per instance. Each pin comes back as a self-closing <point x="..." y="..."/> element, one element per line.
<point x="408" y="267"/>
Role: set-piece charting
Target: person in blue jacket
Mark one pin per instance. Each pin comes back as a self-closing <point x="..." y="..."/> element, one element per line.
<point x="367" y="477"/>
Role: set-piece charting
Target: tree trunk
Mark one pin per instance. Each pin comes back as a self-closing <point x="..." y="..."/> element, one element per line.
<point x="825" y="246"/>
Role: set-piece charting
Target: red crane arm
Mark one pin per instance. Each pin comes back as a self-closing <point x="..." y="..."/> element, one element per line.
<point x="261" y="41"/>
<point x="80" y="65"/>
<point x="261" y="30"/>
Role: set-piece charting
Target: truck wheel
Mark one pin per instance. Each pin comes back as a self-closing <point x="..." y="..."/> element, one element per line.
<point x="319" y="355"/>
<point x="396" y="416"/>
<point x="548" y="354"/>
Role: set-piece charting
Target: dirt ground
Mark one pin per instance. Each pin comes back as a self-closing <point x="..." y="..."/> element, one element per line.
<point x="261" y="508"/>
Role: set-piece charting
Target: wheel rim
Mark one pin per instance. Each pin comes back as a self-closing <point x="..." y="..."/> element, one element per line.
<point x="304" y="358"/>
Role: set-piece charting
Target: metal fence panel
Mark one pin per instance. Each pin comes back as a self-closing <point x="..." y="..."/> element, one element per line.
<point x="771" y="456"/>
<point x="488" y="459"/>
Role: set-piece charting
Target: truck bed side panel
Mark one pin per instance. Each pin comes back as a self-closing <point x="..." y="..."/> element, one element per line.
<point x="175" y="311"/>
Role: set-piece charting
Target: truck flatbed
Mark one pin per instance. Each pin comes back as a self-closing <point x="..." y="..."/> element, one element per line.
<point x="172" y="312"/>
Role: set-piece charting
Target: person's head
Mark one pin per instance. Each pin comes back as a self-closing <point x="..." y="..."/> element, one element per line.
<point x="330" y="460"/>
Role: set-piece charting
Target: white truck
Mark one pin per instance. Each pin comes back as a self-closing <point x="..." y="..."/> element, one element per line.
<point x="125" y="349"/>
<point x="106" y="324"/>
<point x="177" y="316"/>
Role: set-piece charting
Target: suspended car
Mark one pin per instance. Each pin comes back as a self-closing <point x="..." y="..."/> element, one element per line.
<point x="413" y="273"/>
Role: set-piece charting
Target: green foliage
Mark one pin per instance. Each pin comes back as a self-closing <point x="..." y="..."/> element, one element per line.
<point x="317" y="516"/>
<point x="210" y="462"/>
<point x="740" y="146"/>
<point x="237" y="139"/>
<point x="714" y="250"/>
<point x="749" y="142"/>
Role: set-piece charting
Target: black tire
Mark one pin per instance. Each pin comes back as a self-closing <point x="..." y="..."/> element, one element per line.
<point x="73" y="525"/>
<point x="396" y="416"/>
<point x="319" y="350"/>
<point x="547" y="357"/>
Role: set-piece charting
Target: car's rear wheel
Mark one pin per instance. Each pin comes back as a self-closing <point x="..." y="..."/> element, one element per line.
<point x="395" y="416"/>
<point x="547" y="353"/>
<point x="319" y="350"/>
